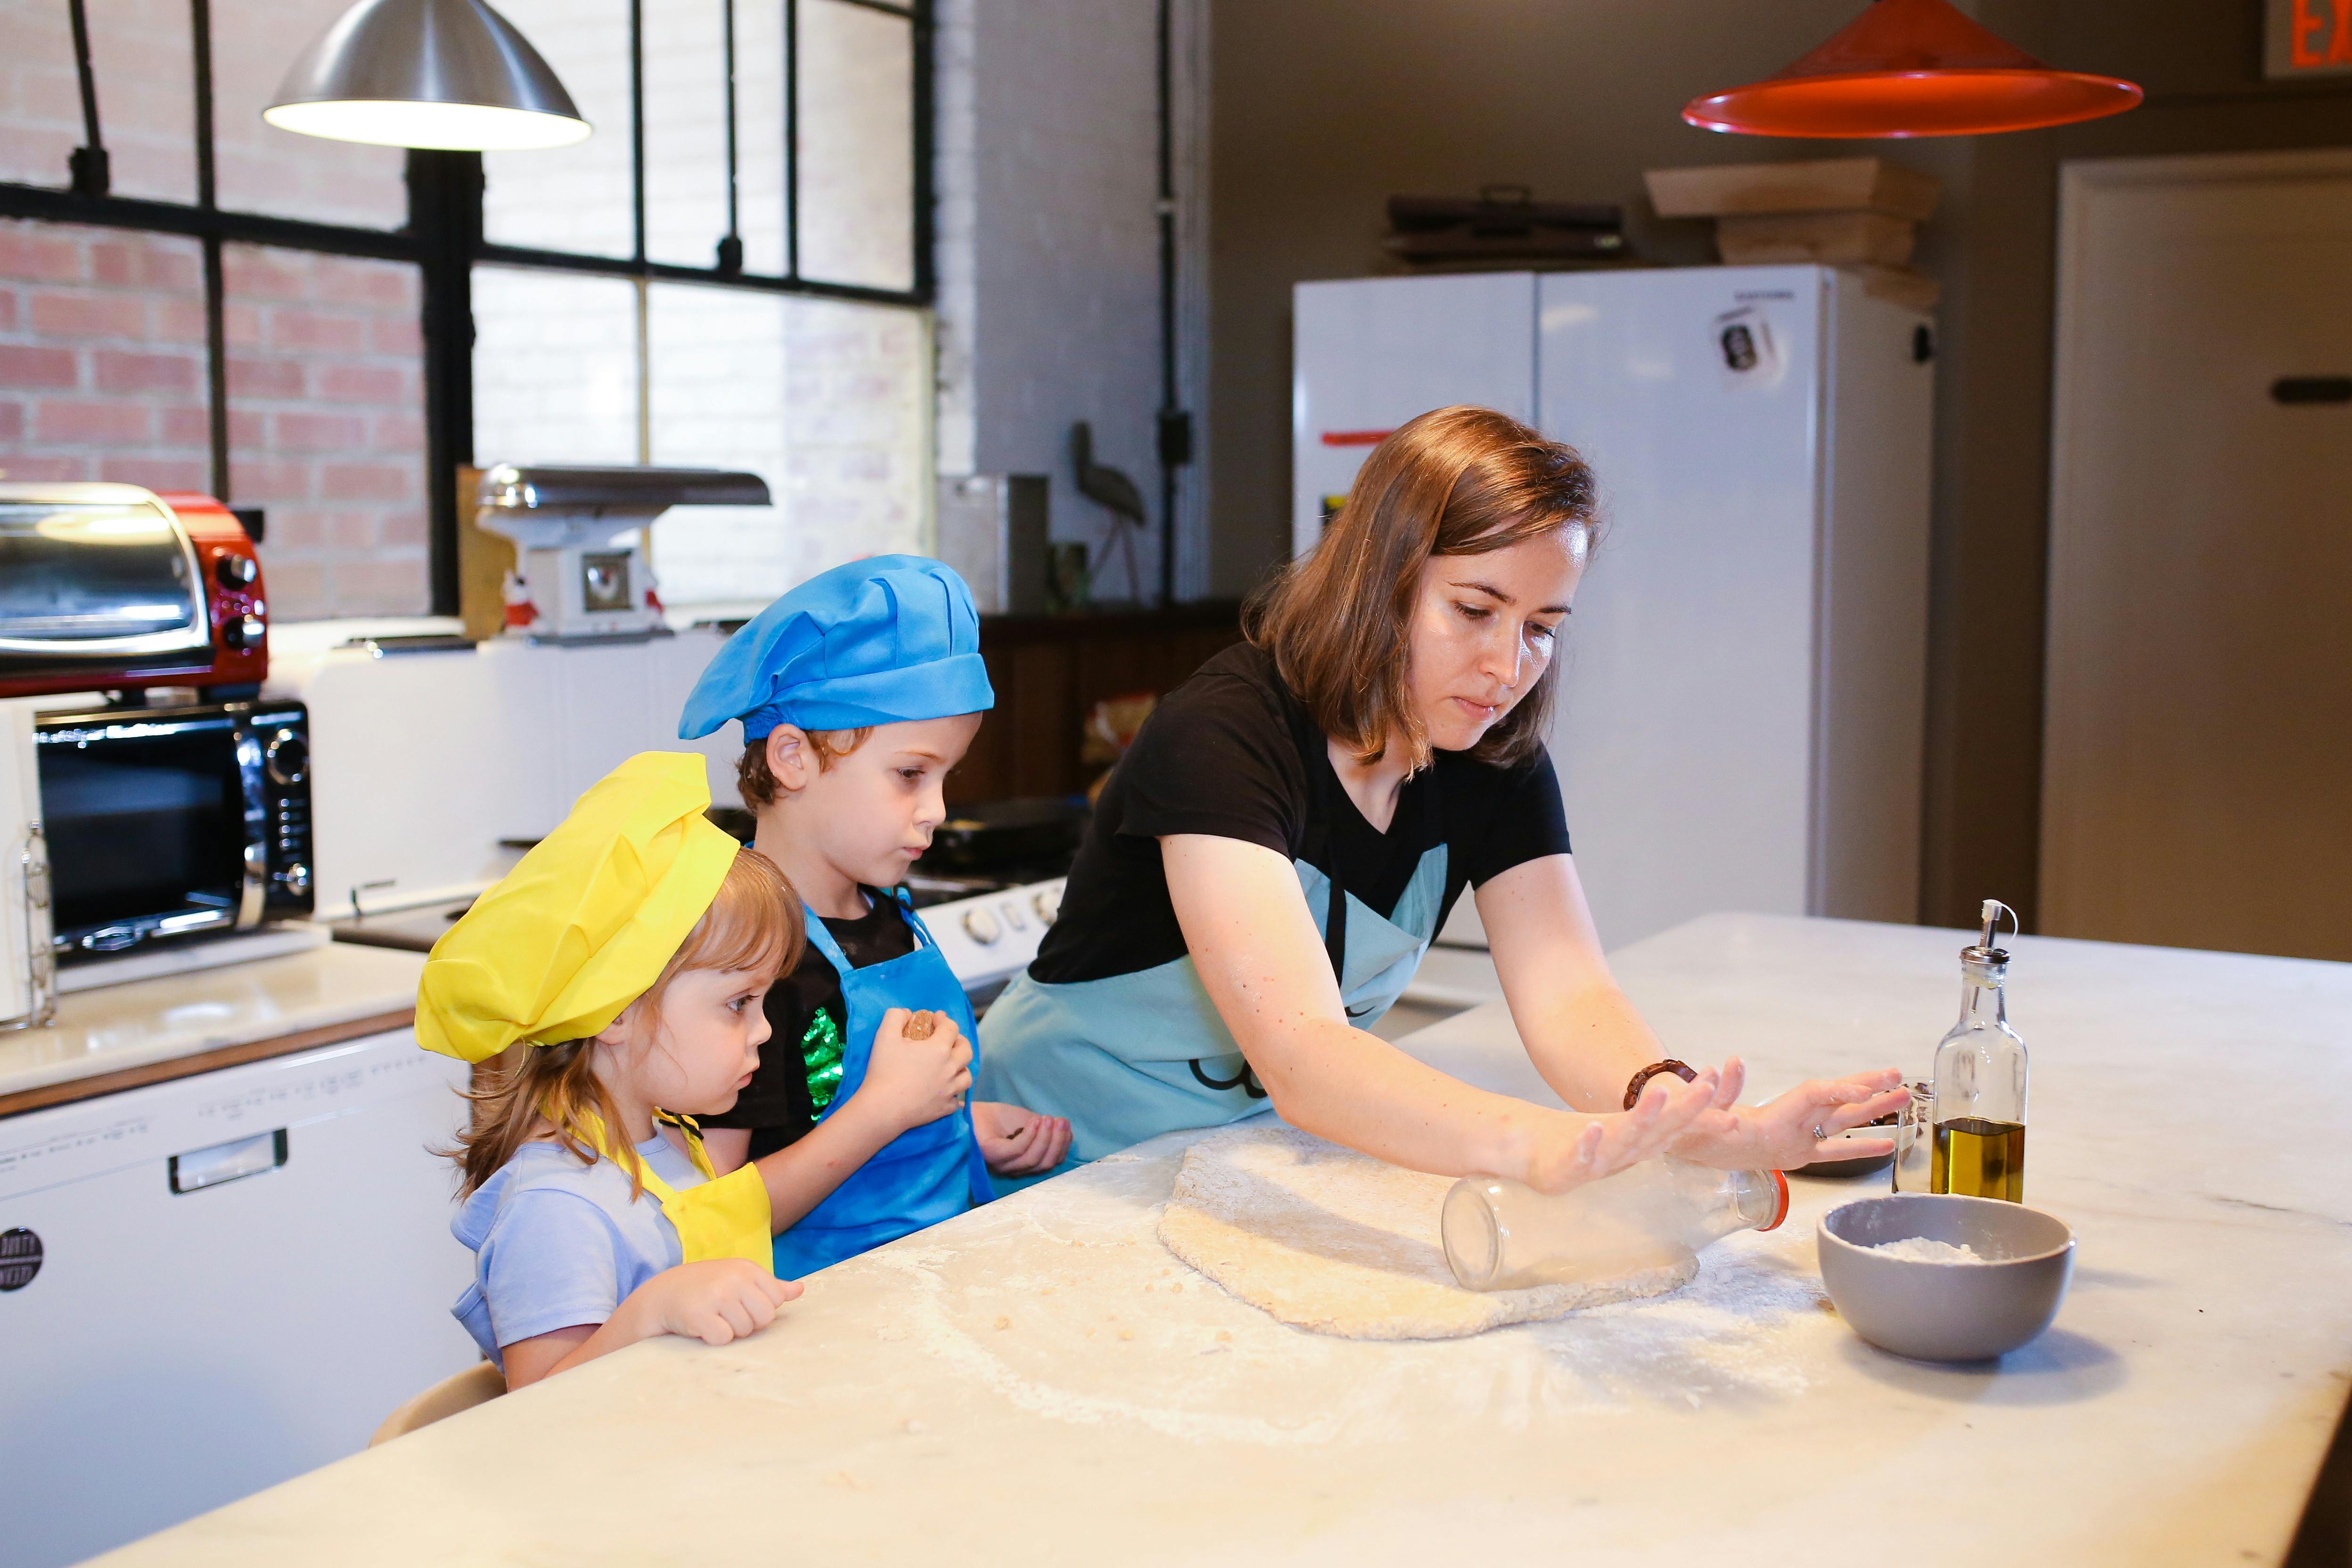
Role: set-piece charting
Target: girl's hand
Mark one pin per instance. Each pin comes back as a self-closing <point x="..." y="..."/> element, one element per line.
<point x="717" y="1301"/>
<point x="1780" y="1136"/>
<point x="1572" y="1149"/>
<point x="1018" y="1142"/>
<point x="915" y="1081"/>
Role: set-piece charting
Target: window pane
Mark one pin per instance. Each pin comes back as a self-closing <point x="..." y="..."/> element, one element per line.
<point x="856" y="71"/>
<point x="140" y="52"/>
<point x="102" y="357"/>
<point x="686" y="132"/>
<point x="555" y="367"/>
<point x="327" y="427"/>
<point x="40" y="112"/>
<point x="824" y="400"/>
<point x="574" y="198"/>
<point x="760" y="133"/>
<point x="262" y="169"/>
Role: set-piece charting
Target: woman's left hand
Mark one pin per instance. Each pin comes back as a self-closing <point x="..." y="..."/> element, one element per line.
<point x="1787" y="1133"/>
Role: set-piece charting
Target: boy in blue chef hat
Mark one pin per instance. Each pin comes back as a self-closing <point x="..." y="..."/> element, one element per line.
<point x="857" y="692"/>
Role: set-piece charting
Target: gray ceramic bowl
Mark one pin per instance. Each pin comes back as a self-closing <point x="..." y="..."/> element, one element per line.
<point x="1945" y="1311"/>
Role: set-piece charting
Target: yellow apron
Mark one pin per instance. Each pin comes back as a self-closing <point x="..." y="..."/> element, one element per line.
<point x="726" y="1217"/>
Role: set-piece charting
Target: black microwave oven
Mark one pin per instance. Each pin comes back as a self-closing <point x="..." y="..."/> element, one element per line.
<point x="171" y="823"/>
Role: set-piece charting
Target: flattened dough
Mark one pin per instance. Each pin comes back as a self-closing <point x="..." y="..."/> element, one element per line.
<point x="1337" y="1242"/>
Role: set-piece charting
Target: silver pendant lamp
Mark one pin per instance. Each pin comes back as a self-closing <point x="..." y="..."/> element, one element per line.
<point x="450" y="74"/>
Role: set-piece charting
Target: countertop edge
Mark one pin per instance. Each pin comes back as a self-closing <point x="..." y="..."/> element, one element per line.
<point x="66" y="1092"/>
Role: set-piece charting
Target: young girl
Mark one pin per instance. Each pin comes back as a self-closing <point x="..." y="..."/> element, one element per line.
<point x="857" y="692"/>
<point x="627" y="955"/>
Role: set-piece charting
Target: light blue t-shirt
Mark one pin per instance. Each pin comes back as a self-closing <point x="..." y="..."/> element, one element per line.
<point x="557" y="1243"/>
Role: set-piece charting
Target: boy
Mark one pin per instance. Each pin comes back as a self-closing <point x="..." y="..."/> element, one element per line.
<point x="857" y="692"/>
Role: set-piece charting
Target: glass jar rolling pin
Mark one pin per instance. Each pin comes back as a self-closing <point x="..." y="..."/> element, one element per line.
<point x="1502" y="1236"/>
<point x="1979" y="1083"/>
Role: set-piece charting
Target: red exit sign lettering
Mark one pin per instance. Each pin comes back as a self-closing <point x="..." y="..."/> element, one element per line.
<point x="2309" y="37"/>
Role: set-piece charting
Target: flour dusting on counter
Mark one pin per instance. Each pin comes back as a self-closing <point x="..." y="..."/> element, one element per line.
<point x="1094" y="1334"/>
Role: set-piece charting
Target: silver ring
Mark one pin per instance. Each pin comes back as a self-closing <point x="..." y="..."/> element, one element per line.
<point x="1819" y="1136"/>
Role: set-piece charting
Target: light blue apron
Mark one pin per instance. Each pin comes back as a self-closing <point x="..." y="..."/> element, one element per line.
<point x="925" y="1174"/>
<point x="1129" y="1057"/>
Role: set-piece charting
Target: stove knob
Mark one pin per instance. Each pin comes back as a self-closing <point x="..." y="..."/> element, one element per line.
<point x="236" y="571"/>
<point x="980" y="926"/>
<point x="244" y="632"/>
<point x="1011" y="908"/>
<point x="1047" y="902"/>
<point x="298" y="879"/>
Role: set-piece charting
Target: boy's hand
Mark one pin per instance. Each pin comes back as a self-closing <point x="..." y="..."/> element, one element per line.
<point x="914" y="1080"/>
<point x="716" y="1301"/>
<point x="1018" y="1142"/>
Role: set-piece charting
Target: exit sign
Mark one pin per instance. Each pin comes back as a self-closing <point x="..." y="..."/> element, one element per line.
<point x="2309" y="37"/>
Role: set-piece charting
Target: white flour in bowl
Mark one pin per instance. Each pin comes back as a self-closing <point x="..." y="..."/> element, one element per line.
<point x="1919" y="1249"/>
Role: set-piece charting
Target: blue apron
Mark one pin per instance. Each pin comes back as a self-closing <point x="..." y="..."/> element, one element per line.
<point x="925" y="1174"/>
<point x="1129" y="1057"/>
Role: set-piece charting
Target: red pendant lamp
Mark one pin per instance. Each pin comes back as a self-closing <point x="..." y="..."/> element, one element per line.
<point x="1912" y="68"/>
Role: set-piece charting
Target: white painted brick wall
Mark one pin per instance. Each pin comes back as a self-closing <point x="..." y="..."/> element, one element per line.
<point x="1049" y="250"/>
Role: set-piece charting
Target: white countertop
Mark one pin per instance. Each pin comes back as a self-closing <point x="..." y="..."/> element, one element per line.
<point x="143" y="1022"/>
<point x="1029" y="1385"/>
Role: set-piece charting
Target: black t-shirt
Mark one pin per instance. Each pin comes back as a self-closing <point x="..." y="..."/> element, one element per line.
<point x="777" y="1104"/>
<point x="1233" y="754"/>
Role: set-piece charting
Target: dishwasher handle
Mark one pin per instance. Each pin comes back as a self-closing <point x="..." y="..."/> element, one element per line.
<point x="230" y="1161"/>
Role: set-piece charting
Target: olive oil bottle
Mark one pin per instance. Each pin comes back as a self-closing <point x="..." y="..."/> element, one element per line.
<point x="1980" y="1116"/>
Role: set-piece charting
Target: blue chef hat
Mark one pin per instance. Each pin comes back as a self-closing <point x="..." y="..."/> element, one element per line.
<point x="878" y="641"/>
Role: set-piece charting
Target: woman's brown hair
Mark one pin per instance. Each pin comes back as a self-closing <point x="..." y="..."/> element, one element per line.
<point x="1338" y="622"/>
<point x="526" y="1091"/>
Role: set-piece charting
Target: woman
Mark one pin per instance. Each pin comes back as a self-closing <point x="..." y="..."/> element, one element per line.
<point x="1271" y="858"/>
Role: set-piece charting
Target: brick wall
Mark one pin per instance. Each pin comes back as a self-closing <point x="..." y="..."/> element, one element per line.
<point x="102" y="378"/>
<point x="327" y="427"/>
<point x="102" y="357"/>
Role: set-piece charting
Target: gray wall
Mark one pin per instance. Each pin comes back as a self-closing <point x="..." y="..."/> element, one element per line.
<point x="1321" y="108"/>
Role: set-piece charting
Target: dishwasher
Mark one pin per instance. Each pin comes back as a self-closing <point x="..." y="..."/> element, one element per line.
<point x="212" y="1284"/>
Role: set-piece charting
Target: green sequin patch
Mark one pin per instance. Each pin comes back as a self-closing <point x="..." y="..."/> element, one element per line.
<point x="821" y="1051"/>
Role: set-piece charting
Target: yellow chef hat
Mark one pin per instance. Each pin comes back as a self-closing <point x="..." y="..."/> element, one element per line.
<point x="585" y="921"/>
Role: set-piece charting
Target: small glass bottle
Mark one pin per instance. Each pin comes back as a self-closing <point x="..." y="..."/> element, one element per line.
<point x="1502" y="1236"/>
<point x="1980" y="1141"/>
<point x="1915" y="1139"/>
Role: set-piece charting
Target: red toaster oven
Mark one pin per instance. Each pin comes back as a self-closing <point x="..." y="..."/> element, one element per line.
<point x="110" y="587"/>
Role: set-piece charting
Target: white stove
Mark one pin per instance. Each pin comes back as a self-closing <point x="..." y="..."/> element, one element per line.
<point x="987" y="938"/>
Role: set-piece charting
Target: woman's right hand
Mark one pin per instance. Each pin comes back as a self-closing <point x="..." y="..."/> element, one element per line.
<point x="912" y="1082"/>
<point x="1572" y="1148"/>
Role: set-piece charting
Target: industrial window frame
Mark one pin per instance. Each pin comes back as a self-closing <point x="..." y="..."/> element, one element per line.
<point x="442" y="238"/>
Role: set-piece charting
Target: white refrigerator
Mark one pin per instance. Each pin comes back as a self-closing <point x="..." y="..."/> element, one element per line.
<point x="1740" y="712"/>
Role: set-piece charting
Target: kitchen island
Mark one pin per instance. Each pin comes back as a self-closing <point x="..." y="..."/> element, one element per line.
<point x="1041" y="1382"/>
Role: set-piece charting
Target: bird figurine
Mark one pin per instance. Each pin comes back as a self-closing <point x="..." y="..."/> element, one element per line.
<point x="1112" y="490"/>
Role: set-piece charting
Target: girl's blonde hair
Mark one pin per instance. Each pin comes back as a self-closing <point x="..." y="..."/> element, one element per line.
<point x="753" y="924"/>
<point x="1338" y="622"/>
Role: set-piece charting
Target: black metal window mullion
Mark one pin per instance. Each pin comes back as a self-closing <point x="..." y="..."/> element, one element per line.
<point x="920" y="25"/>
<point x="87" y="164"/>
<point x="200" y="39"/>
<point x="792" y="139"/>
<point x="638" y="127"/>
<point x="730" y="247"/>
